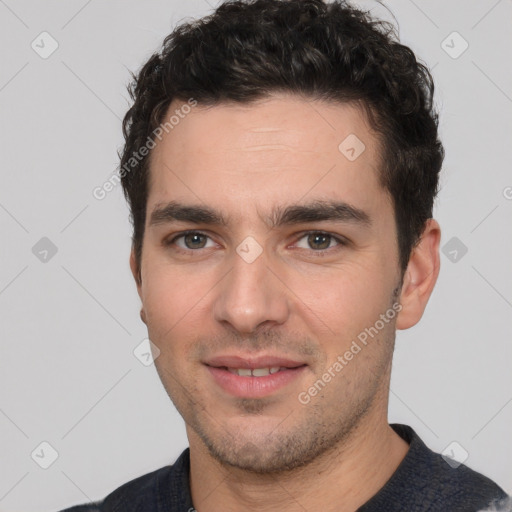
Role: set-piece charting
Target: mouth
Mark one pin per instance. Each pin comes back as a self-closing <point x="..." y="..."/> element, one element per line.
<point x="255" y="372"/>
<point x="246" y="377"/>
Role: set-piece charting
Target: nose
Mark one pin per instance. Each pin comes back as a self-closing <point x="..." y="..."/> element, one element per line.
<point x="251" y="297"/>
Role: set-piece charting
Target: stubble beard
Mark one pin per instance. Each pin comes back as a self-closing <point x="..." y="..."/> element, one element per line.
<point x="281" y="451"/>
<point x="294" y="442"/>
<point x="301" y="436"/>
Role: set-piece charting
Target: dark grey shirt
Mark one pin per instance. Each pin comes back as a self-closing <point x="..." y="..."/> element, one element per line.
<point x="423" y="482"/>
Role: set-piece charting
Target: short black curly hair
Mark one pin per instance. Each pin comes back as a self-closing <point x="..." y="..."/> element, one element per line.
<point x="249" y="49"/>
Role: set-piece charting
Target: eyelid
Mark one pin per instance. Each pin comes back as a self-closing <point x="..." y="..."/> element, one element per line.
<point x="172" y="240"/>
<point x="341" y="241"/>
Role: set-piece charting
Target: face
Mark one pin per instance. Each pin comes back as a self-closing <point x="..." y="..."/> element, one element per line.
<point x="269" y="274"/>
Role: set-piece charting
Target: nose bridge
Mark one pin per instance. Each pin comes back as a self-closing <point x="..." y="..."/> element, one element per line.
<point x="250" y="294"/>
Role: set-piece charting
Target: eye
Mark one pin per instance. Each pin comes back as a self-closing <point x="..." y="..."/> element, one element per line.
<point x="319" y="241"/>
<point x="191" y="240"/>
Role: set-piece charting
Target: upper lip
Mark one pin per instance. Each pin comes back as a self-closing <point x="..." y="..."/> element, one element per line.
<point x="263" y="361"/>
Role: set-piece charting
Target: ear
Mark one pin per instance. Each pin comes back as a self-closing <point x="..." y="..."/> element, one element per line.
<point x="136" y="272"/>
<point x="420" y="276"/>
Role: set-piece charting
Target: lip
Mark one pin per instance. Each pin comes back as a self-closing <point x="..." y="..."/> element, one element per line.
<point x="253" y="387"/>
<point x="264" y="361"/>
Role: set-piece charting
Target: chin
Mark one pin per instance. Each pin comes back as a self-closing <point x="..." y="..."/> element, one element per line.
<point x="265" y="452"/>
<point x="253" y="459"/>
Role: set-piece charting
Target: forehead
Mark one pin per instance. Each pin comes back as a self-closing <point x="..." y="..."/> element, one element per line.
<point x="272" y="151"/>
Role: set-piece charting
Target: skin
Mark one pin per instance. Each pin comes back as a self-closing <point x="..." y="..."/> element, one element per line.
<point x="296" y="300"/>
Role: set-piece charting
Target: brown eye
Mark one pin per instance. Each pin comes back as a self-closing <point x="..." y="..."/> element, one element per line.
<point x="194" y="240"/>
<point x="319" y="241"/>
<point x="191" y="240"/>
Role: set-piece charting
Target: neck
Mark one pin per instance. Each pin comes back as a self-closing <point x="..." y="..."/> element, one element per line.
<point x="341" y="480"/>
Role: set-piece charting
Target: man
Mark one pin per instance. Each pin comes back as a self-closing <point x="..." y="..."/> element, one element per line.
<point x="281" y="163"/>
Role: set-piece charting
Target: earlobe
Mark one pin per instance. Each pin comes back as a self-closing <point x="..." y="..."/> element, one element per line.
<point x="420" y="276"/>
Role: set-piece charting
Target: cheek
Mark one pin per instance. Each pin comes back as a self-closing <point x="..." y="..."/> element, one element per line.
<point x="330" y="301"/>
<point x="345" y="296"/>
<point x="172" y="300"/>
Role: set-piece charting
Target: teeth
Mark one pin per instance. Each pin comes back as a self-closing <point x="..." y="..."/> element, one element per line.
<point x="260" y="372"/>
<point x="257" y="372"/>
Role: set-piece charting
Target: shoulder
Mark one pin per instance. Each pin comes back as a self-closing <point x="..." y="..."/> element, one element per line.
<point x="425" y="480"/>
<point x="84" y="508"/>
<point x="129" y="496"/>
<point x="145" y="492"/>
<point x="461" y="487"/>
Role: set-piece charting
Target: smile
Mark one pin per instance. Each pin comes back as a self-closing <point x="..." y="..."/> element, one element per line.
<point x="256" y="372"/>
<point x="253" y="382"/>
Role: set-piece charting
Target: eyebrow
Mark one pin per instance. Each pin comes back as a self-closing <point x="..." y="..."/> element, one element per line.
<point x="173" y="211"/>
<point x="315" y="211"/>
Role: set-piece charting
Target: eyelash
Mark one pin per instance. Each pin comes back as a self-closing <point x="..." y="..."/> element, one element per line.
<point x="321" y="252"/>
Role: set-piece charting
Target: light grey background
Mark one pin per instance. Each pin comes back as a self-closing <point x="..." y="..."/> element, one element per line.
<point x="68" y="375"/>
